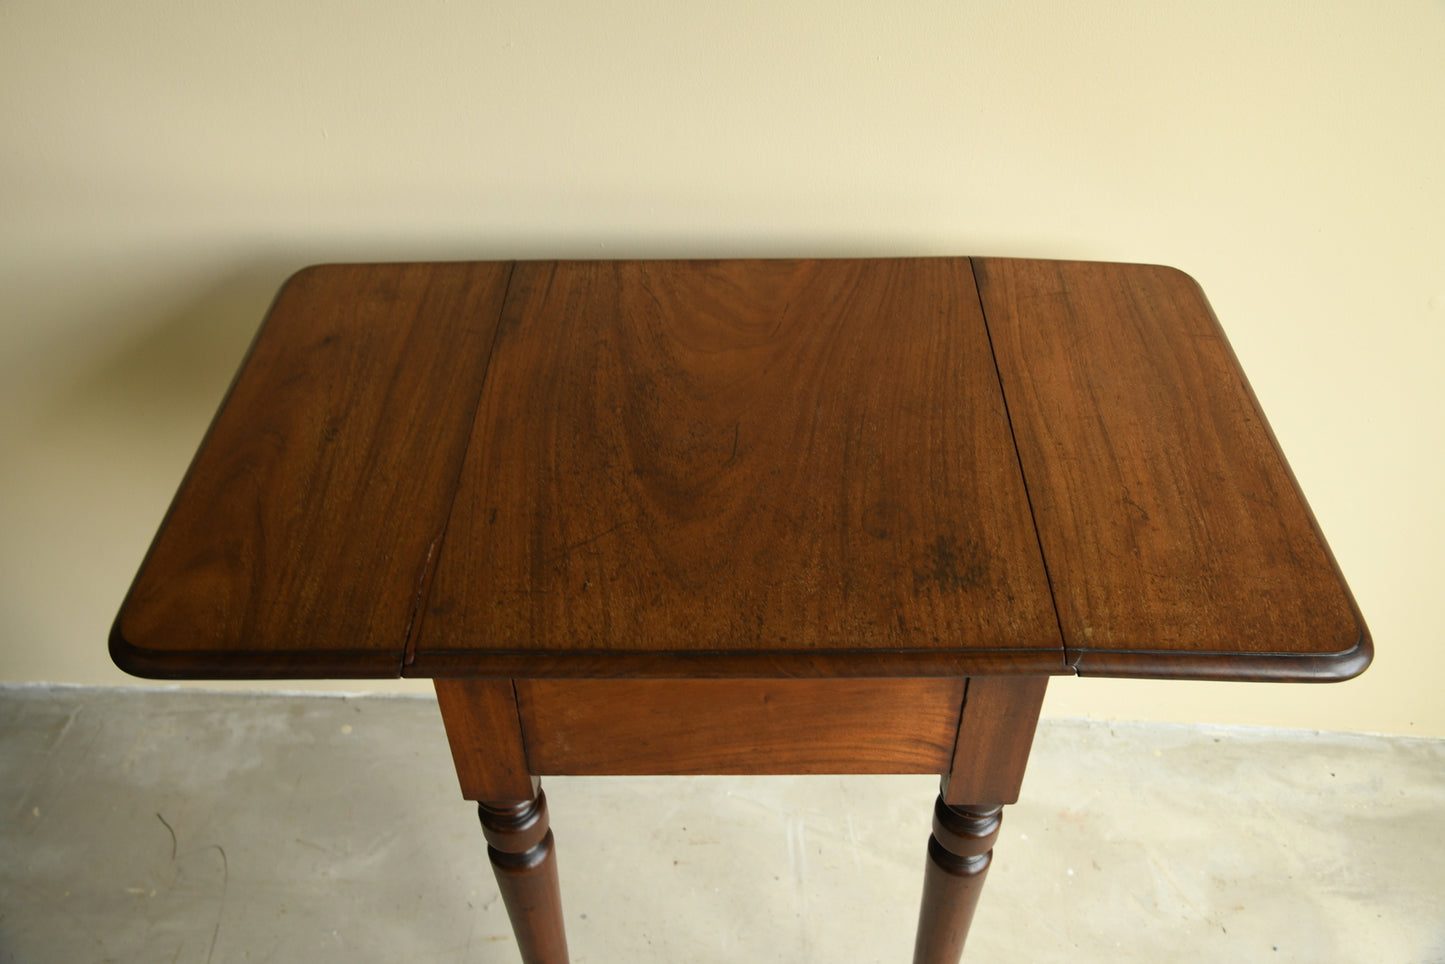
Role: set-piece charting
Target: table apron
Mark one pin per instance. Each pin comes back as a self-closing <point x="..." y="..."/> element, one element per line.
<point x="593" y="727"/>
<point x="976" y="732"/>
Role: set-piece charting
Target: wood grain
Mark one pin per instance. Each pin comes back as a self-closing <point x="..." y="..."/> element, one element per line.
<point x="995" y="734"/>
<point x="740" y="469"/>
<point x="758" y="460"/>
<point x="485" y="735"/>
<point x="960" y="852"/>
<point x="524" y="860"/>
<point x="300" y="538"/>
<point x="1176" y="539"/>
<point x="592" y="727"/>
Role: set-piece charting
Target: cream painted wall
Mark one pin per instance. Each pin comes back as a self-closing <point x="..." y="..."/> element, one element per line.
<point x="164" y="165"/>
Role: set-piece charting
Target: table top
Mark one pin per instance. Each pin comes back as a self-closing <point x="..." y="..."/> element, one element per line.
<point x="765" y="468"/>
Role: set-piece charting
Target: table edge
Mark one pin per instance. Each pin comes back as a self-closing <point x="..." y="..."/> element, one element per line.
<point x="250" y="664"/>
<point x="275" y="664"/>
<point x="387" y="664"/>
<point x="1228" y="667"/>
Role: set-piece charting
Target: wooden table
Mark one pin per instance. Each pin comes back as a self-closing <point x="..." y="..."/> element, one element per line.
<point x="740" y="517"/>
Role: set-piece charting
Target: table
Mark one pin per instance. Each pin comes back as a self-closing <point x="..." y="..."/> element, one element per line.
<point x="748" y="516"/>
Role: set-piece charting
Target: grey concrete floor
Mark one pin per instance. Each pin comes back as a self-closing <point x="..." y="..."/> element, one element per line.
<point x="152" y="825"/>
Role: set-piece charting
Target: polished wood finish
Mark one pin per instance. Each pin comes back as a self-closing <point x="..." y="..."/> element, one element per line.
<point x="740" y="469"/>
<point x="739" y="726"/>
<point x="959" y="853"/>
<point x="301" y="539"/>
<point x="760" y="464"/>
<point x="740" y="517"/>
<point x="485" y="734"/>
<point x="995" y="733"/>
<point x="1176" y="540"/>
<point x="524" y="859"/>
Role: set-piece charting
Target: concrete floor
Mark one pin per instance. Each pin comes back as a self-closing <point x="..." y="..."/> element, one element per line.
<point x="181" y="826"/>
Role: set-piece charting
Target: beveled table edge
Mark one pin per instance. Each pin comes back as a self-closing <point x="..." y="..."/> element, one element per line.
<point x="298" y="664"/>
<point x="388" y="664"/>
<point x="251" y="664"/>
<point x="1227" y="667"/>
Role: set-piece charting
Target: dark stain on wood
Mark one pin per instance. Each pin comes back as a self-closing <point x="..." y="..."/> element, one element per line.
<point x="952" y="566"/>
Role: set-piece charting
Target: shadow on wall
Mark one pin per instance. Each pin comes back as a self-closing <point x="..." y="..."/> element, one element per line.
<point x="165" y="382"/>
<point x="98" y="438"/>
<point x="171" y="376"/>
<point x="177" y="369"/>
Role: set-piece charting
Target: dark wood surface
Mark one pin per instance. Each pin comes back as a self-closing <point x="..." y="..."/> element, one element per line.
<point x="740" y="517"/>
<point x="484" y="731"/>
<point x="995" y="734"/>
<point x="960" y="852"/>
<point x="523" y="855"/>
<point x="703" y="459"/>
<point x="301" y="536"/>
<point x="748" y="469"/>
<point x="1172" y="528"/>
<point x="584" y="727"/>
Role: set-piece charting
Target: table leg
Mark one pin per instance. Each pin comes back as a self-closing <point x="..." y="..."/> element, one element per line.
<point x="486" y="740"/>
<point x="519" y="844"/>
<point x="959" y="853"/>
<point x="995" y="732"/>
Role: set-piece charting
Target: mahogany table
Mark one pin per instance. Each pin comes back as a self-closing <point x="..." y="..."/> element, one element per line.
<point x="740" y="517"/>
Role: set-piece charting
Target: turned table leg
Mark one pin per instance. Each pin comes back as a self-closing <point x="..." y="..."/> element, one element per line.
<point x="497" y="767"/>
<point x="519" y="844"/>
<point x="486" y="740"/>
<point x="959" y="853"/>
<point x="995" y="732"/>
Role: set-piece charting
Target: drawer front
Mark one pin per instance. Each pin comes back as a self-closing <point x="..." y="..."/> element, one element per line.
<point x="595" y="727"/>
